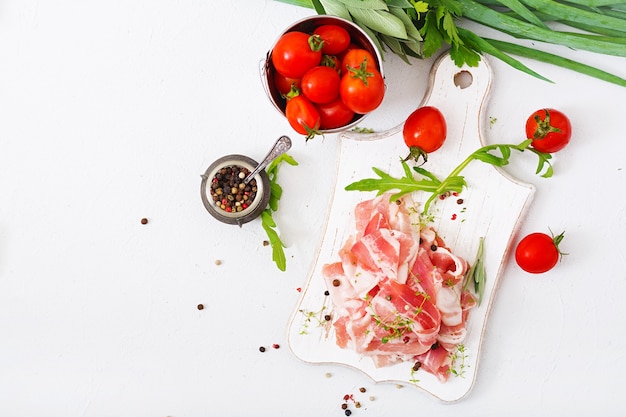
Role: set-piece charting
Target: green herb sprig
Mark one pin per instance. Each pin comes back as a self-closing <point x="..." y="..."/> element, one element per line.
<point x="267" y="220"/>
<point x="497" y="155"/>
<point x="422" y="28"/>
<point x="477" y="274"/>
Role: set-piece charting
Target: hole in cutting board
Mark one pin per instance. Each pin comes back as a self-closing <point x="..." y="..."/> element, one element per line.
<point x="463" y="79"/>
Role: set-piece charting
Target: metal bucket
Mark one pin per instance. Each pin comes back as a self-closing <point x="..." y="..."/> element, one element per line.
<point x="308" y="25"/>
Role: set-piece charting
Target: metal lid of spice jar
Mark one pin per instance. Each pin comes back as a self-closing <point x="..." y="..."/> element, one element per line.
<point x="227" y="197"/>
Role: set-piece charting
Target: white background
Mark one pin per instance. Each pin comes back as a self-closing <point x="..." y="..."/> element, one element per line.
<point x="109" y="113"/>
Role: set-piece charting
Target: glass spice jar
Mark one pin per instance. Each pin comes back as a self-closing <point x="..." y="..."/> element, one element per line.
<point x="225" y="194"/>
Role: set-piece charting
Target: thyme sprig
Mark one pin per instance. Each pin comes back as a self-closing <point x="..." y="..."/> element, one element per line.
<point x="497" y="155"/>
<point x="458" y="365"/>
<point x="267" y="220"/>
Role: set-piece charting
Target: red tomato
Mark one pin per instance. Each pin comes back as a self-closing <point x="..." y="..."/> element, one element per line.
<point x="354" y="58"/>
<point x="295" y="53"/>
<point x="549" y="129"/>
<point x="336" y="39"/>
<point x="334" y="114"/>
<point x="284" y="84"/>
<point x="362" y="90"/>
<point x="321" y="84"/>
<point x="303" y="116"/>
<point x="538" y="253"/>
<point x="331" y="61"/>
<point x="424" y="132"/>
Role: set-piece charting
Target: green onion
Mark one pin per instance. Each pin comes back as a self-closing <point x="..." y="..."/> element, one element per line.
<point x="420" y="28"/>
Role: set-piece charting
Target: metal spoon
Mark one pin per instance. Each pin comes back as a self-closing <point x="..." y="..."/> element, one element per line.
<point x="281" y="146"/>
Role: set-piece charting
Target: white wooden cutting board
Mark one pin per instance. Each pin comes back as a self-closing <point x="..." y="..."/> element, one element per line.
<point x="492" y="207"/>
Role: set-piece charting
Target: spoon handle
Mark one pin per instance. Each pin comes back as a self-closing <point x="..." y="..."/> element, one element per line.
<point x="281" y="146"/>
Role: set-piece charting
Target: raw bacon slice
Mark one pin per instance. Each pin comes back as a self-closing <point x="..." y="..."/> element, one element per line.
<point x="437" y="361"/>
<point x="397" y="291"/>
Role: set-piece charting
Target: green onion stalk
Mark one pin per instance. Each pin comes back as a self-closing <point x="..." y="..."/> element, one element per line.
<point x="421" y="28"/>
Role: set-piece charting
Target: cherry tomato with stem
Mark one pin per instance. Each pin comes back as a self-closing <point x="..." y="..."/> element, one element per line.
<point x="331" y="61"/>
<point x="303" y="116"/>
<point x="549" y="129"/>
<point x="362" y="89"/>
<point x="320" y="84"/>
<point x="334" y="114"/>
<point x="336" y="39"/>
<point x="424" y="131"/>
<point x="355" y="57"/>
<point x="295" y="53"/>
<point x="538" y="252"/>
<point x="285" y="84"/>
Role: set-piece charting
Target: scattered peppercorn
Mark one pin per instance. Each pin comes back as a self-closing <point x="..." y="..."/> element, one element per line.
<point x="348" y="412"/>
<point x="266" y="243"/>
<point x="218" y="262"/>
<point x="362" y="389"/>
<point x="344" y="406"/>
<point x="276" y="346"/>
<point x="327" y="293"/>
<point x="144" y="221"/>
<point x="433" y="248"/>
<point x="459" y="201"/>
<point x="336" y="283"/>
<point x="417" y="366"/>
<point x="262" y="349"/>
<point x="327" y="317"/>
<point x="357" y="404"/>
<point x="200" y="307"/>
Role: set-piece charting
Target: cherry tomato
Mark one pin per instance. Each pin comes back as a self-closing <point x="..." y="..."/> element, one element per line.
<point x="538" y="253"/>
<point x="336" y="39"/>
<point x="321" y="84"/>
<point x="334" y="114"/>
<point x="362" y="90"/>
<point x="285" y="84"/>
<point x="355" y="57"/>
<point x="549" y="129"/>
<point x="331" y="61"/>
<point x="295" y="53"/>
<point x="303" y="116"/>
<point x="424" y="132"/>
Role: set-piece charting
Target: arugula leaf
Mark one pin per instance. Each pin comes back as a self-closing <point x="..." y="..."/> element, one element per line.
<point x="267" y="221"/>
<point x="454" y="182"/>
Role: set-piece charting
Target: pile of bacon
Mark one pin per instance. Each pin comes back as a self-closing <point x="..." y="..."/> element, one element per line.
<point x="398" y="290"/>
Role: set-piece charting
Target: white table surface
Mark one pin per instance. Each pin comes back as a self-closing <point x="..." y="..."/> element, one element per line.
<point x="109" y="113"/>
